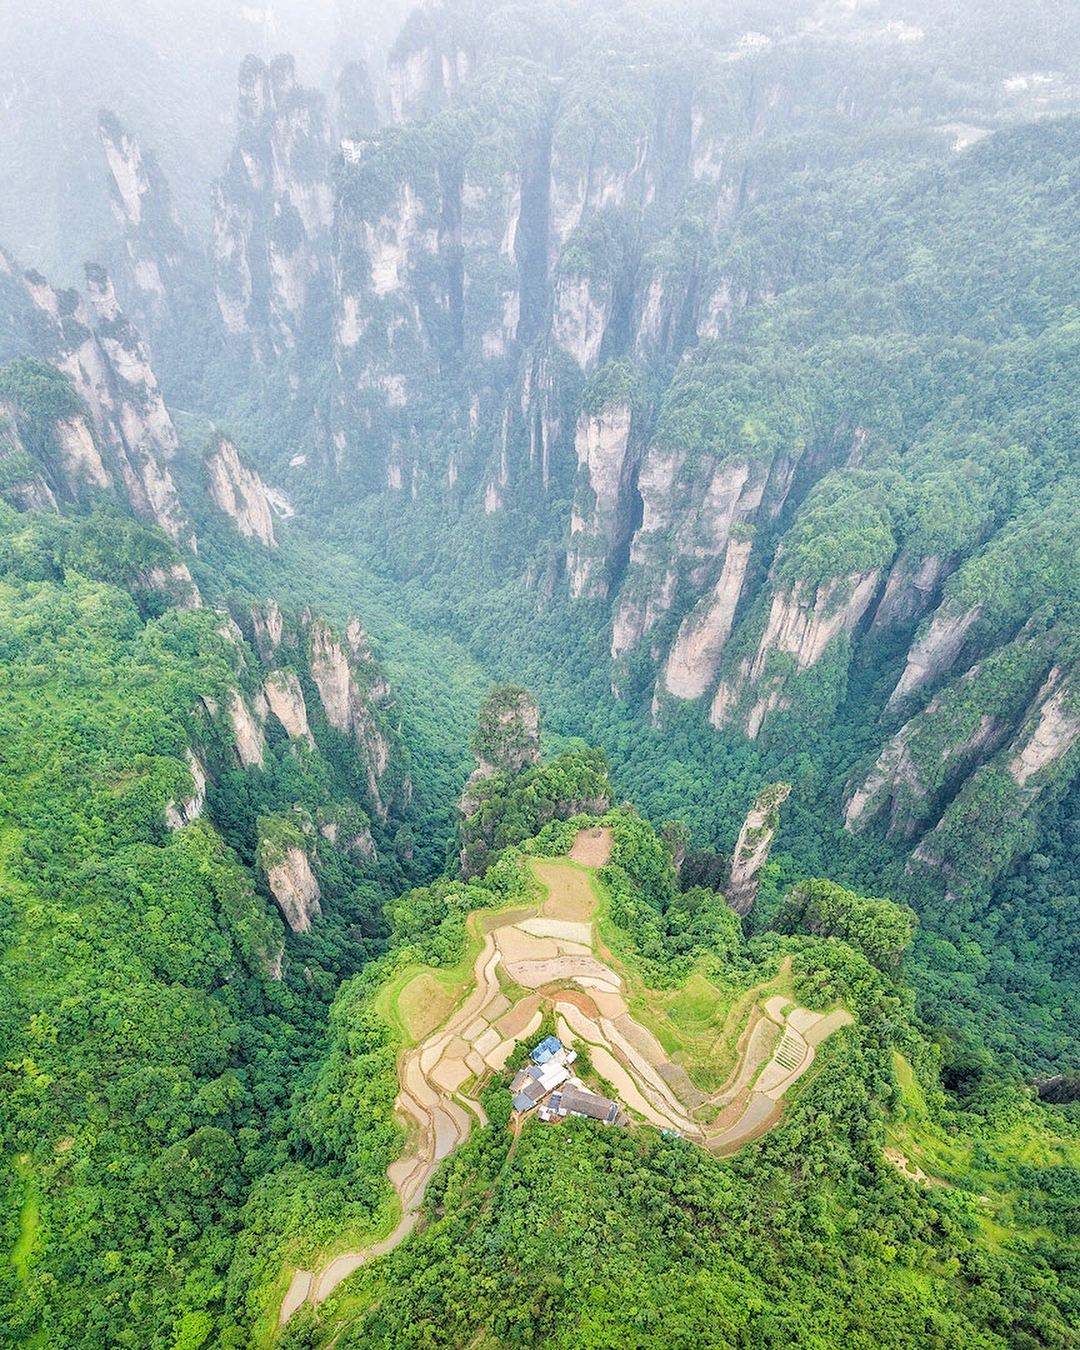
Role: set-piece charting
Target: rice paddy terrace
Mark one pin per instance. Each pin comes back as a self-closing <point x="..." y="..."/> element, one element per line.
<point x="660" y="1054"/>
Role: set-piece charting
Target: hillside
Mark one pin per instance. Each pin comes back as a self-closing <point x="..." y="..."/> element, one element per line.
<point x="569" y="529"/>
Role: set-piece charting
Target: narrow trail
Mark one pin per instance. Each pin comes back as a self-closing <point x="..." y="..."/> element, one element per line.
<point x="552" y="952"/>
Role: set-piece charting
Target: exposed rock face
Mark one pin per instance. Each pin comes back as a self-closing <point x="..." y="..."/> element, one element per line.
<point x="582" y="314"/>
<point x="161" y="262"/>
<point x="600" y="521"/>
<point x="800" y="626"/>
<point x="350" y="700"/>
<point x="248" y="737"/>
<point x="25" y="486"/>
<point x="273" y="209"/>
<point x="752" y="849"/>
<point x="286" y="700"/>
<point x="236" y="488"/>
<point x="183" y="812"/>
<point x="129" y="438"/>
<point x="1056" y="726"/>
<point x="81" y="457"/>
<point x="269" y="624"/>
<point x="925" y="763"/>
<point x="909" y="591"/>
<point x="990" y="817"/>
<point x="687" y="520"/>
<point x="508" y="732"/>
<point x="293" y="885"/>
<point x="507" y="740"/>
<point x="175" y="582"/>
<point x="936" y="650"/>
<point x="694" y="658"/>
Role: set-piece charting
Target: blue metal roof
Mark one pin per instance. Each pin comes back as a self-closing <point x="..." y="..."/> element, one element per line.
<point x="549" y="1046"/>
<point x="523" y="1103"/>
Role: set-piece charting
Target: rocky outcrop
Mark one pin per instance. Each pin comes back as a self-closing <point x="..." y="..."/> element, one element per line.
<point x="935" y="650"/>
<point x="910" y="591"/>
<point x="600" y="522"/>
<point x="347" y="828"/>
<point x="694" y="659"/>
<point x="24" y="485"/>
<point x="183" y="811"/>
<point x="507" y="740"/>
<point x="273" y="209"/>
<point x="117" y="436"/>
<point x="582" y="312"/>
<point x="800" y="625"/>
<point x="286" y="700"/>
<point x="269" y="624"/>
<point x="249" y="740"/>
<point x="236" y="488"/>
<point x="508" y="731"/>
<point x="351" y="690"/>
<point x="1051" y="733"/>
<point x="174" y="581"/>
<point x="752" y="850"/>
<point x="293" y="885"/>
<point x="162" y="266"/>
<point x="993" y="815"/>
<point x="686" y="524"/>
<point x="924" y="765"/>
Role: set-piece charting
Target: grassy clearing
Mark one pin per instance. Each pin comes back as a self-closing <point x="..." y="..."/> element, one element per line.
<point x="29" y="1219"/>
<point x="981" y="1167"/>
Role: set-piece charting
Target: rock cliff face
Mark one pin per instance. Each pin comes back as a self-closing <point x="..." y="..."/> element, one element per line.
<point x="293" y="885"/>
<point x="507" y="740"/>
<point x="273" y="210"/>
<point x="993" y="813"/>
<point x="800" y="626"/>
<point x="183" y="812"/>
<point x="247" y="722"/>
<point x="935" y="651"/>
<point x="24" y="484"/>
<point x="752" y="850"/>
<point x="1052" y="732"/>
<point x="118" y="437"/>
<point x="508" y="731"/>
<point x="600" y="523"/>
<point x="686" y="524"/>
<point x="910" y="592"/>
<point x="354" y="696"/>
<point x="286" y="700"/>
<point x="163" y="267"/>
<point x="694" y="659"/>
<point x="236" y="488"/>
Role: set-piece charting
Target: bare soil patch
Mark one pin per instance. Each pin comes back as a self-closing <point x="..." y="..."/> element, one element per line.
<point x="592" y="848"/>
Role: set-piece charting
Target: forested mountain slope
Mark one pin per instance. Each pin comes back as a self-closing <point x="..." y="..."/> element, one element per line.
<point x="710" y="372"/>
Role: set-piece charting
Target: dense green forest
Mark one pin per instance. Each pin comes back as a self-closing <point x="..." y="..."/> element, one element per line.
<point x="696" y="384"/>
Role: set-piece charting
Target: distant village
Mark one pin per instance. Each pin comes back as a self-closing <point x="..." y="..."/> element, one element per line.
<point x="548" y="1086"/>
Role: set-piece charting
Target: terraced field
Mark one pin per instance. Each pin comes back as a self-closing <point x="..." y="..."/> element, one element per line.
<point x="550" y="956"/>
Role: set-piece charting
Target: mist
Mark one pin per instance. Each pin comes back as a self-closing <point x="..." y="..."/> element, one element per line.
<point x="168" y="71"/>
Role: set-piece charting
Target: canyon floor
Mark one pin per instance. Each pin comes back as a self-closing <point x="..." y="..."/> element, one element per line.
<point x="645" y="1047"/>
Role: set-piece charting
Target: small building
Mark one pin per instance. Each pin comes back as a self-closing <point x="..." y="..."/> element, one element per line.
<point x="579" y="1101"/>
<point x="547" y="1083"/>
<point x="547" y="1049"/>
<point x="550" y="1075"/>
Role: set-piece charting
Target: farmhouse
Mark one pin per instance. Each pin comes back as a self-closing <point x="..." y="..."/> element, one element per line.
<point x="547" y="1084"/>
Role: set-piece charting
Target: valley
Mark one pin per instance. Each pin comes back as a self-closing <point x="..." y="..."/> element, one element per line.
<point x="540" y="677"/>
